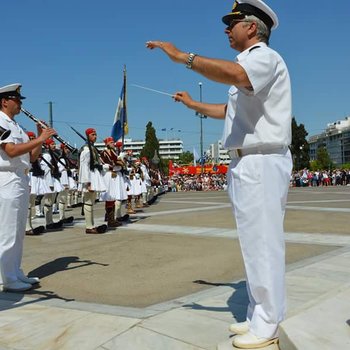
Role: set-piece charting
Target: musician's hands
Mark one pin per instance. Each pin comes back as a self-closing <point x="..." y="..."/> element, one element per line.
<point x="40" y="126"/>
<point x="39" y="129"/>
<point x="46" y="134"/>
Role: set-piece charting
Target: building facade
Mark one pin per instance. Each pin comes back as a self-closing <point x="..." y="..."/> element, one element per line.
<point x="218" y="154"/>
<point x="336" y="140"/>
<point x="168" y="149"/>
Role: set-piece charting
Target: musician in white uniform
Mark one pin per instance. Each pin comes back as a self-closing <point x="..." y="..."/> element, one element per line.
<point x="16" y="152"/>
<point x="91" y="180"/>
<point x="257" y="133"/>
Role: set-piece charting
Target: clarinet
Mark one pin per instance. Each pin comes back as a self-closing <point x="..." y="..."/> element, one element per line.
<point x="44" y="126"/>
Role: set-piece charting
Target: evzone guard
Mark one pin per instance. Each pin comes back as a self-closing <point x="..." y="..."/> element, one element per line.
<point x="38" y="187"/>
<point x="91" y="180"/>
<point x="52" y="176"/>
<point x="114" y="180"/>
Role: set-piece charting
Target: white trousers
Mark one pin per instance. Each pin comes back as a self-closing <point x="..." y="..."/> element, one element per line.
<point x="14" y="198"/>
<point x="258" y="187"/>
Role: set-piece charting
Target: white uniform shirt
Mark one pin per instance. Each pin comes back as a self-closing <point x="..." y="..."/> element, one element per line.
<point x="17" y="136"/>
<point x="260" y="117"/>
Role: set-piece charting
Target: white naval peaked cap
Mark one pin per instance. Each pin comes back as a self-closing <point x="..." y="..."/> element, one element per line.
<point x="12" y="90"/>
<point x="258" y="8"/>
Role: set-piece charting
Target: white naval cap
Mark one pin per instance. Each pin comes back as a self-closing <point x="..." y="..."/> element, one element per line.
<point x="13" y="90"/>
<point x="258" y="8"/>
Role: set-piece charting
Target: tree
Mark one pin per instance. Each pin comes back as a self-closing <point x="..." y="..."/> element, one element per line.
<point x="150" y="149"/>
<point x="151" y="143"/>
<point x="323" y="159"/>
<point x="186" y="158"/>
<point x="299" y="147"/>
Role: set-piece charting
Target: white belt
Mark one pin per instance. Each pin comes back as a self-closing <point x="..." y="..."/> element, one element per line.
<point x="241" y="152"/>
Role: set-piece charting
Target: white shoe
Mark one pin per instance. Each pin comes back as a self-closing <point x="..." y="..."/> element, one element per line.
<point x="30" y="280"/>
<point x="16" y="286"/>
<point x="251" y="341"/>
<point x="239" y="328"/>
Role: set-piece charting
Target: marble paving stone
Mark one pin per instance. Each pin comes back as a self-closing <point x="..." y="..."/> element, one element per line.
<point x="323" y="326"/>
<point x="333" y="267"/>
<point x="324" y="272"/>
<point x="190" y="327"/>
<point x="139" y="338"/>
<point x="32" y="327"/>
<point x="218" y="309"/>
<point x="86" y="333"/>
<point x="227" y="345"/>
<point x="302" y="290"/>
<point x="64" y="329"/>
<point x="12" y="312"/>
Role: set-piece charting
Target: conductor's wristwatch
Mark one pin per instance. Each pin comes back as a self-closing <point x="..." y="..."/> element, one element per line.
<point x="190" y="59"/>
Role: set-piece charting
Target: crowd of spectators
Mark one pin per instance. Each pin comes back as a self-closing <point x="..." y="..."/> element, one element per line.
<point x="198" y="182"/>
<point x="218" y="182"/>
<point x="306" y="178"/>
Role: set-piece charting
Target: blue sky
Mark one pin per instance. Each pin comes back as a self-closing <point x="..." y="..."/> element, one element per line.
<point x="73" y="53"/>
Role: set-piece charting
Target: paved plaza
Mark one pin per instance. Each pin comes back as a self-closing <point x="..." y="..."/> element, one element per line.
<point x="173" y="279"/>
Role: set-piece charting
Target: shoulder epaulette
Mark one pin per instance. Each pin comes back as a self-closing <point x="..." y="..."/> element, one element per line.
<point x="253" y="48"/>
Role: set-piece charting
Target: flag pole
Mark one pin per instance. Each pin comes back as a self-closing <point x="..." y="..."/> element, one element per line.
<point x="124" y="107"/>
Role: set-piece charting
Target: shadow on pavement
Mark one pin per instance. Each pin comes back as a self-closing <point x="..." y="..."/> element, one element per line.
<point x="237" y="303"/>
<point x="15" y="300"/>
<point x="61" y="264"/>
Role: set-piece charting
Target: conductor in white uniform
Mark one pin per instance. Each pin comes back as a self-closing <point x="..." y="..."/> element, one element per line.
<point x="257" y="134"/>
<point x="16" y="152"/>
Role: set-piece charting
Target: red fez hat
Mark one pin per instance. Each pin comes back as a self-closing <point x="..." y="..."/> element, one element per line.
<point x="107" y="140"/>
<point x="49" y="142"/>
<point x="144" y="158"/>
<point x="119" y="144"/>
<point x="90" y="131"/>
<point x="30" y="134"/>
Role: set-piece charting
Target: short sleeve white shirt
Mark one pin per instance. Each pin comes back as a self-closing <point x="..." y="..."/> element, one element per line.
<point x="17" y="136"/>
<point x="260" y="116"/>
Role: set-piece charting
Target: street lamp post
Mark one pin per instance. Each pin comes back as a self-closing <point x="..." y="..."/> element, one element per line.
<point x="50" y="114"/>
<point x="201" y="117"/>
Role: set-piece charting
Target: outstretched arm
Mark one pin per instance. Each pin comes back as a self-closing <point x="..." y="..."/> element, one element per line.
<point x="222" y="71"/>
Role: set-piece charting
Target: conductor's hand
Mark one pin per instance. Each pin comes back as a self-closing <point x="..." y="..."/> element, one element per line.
<point x="184" y="97"/>
<point x="172" y="51"/>
<point x="46" y="134"/>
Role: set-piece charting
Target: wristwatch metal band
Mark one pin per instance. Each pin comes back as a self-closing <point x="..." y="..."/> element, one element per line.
<point x="190" y="60"/>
